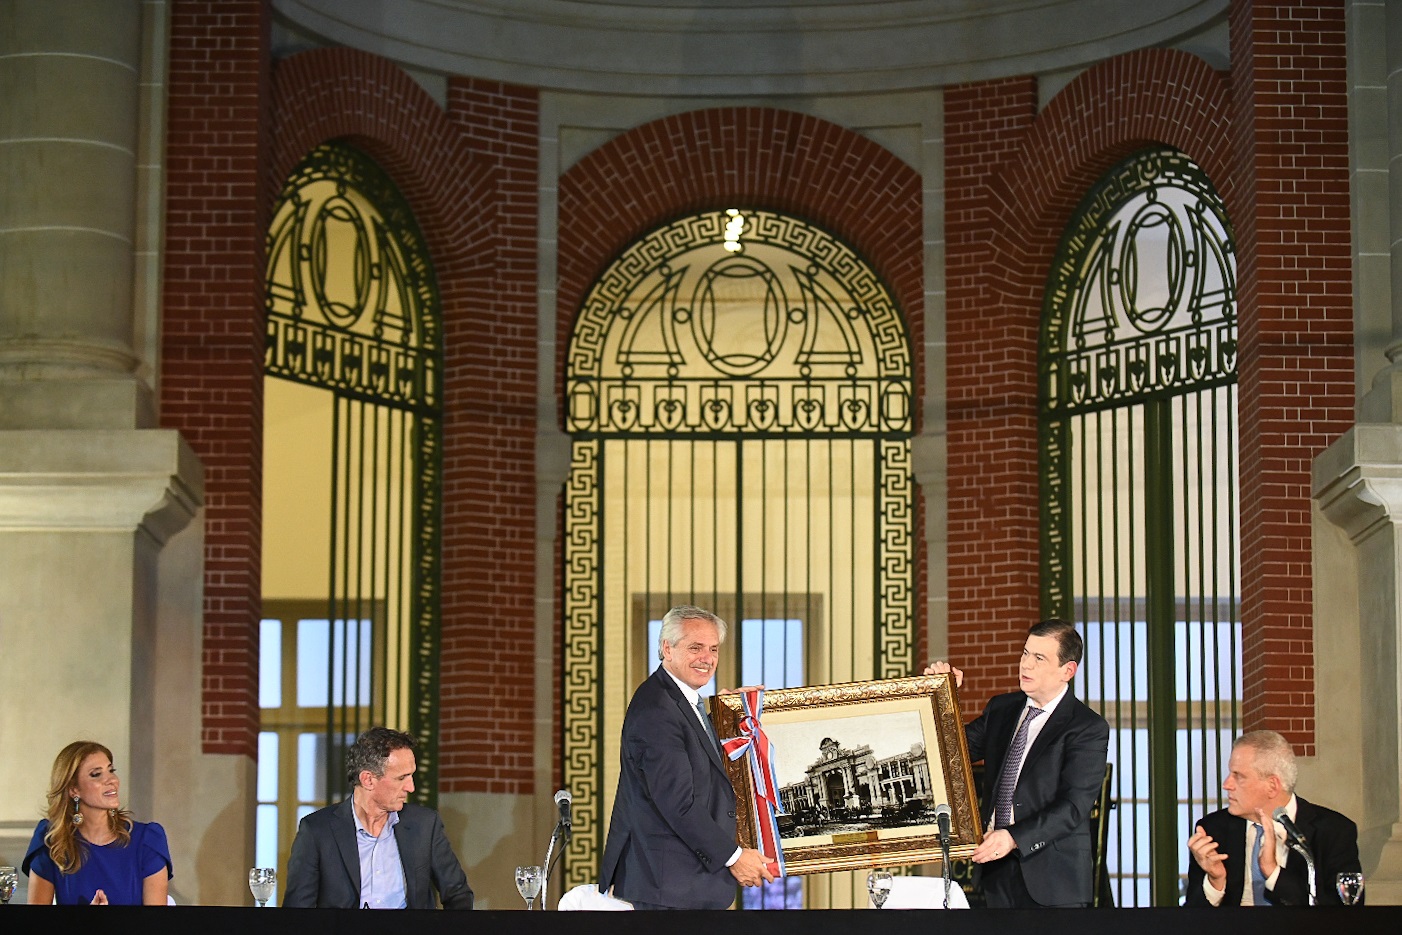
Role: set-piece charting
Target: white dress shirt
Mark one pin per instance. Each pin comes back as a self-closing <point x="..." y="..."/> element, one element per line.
<point x="1282" y="854"/>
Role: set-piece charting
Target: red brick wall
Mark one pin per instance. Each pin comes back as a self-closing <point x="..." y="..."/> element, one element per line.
<point x="992" y="404"/>
<point x="489" y="639"/>
<point x="1289" y="134"/>
<point x="1013" y="178"/>
<point x="469" y="175"/>
<point x="212" y="328"/>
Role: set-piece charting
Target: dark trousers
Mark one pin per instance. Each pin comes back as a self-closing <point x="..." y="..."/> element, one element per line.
<point x="1004" y="887"/>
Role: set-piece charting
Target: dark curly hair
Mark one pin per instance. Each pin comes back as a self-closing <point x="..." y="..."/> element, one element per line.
<point x="372" y="748"/>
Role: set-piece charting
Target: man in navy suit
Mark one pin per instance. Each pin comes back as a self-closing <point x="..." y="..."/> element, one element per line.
<point x="1044" y="761"/>
<point x="1261" y="778"/>
<point x="374" y="850"/>
<point x="671" y="839"/>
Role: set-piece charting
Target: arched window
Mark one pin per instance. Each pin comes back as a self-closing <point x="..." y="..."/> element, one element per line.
<point x="1139" y="498"/>
<point x="739" y="400"/>
<point x="351" y="482"/>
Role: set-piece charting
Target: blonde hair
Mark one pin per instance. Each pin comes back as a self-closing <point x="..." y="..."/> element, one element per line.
<point x="66" y="849"/>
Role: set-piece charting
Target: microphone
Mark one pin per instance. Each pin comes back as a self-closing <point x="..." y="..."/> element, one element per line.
<point x="942" y="817"/>
<point x="1291" y="830"/>
<point x="562" y="801"/>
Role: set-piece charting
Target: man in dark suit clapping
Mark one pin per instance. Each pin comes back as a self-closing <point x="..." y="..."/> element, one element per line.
<point x="1044" y="761"/>
<point x="1239" y="853"/>
<point x="671" y="838"/>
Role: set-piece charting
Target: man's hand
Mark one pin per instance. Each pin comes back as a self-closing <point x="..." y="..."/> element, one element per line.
<point x="940" y="667"/>
<point x="752" y="868"/>
<point x="996" y="845"/>
<point x="1204" y="850"/>
<point x="1269" y="843"/>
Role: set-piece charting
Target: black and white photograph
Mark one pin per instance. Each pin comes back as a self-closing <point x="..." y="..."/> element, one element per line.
<point x="861" y="769"/>
<point x="853" y="774"/>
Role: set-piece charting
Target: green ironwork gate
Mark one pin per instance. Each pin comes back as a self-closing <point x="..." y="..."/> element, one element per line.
<point x="353" y="310"/>
<point x="1139" y="497"/>
<point x="738" y="395"/>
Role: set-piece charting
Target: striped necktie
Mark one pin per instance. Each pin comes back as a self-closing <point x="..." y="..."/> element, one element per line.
<point x="1007" y="779"/>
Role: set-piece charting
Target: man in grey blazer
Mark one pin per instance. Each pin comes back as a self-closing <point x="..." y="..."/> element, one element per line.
<point x="374" y="850"/>
<point x="671" y="838"/>
<point x="1044" y="758"/>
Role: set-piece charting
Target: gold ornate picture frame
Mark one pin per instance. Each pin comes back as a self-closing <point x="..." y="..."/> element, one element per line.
<point x="861" y="768"/>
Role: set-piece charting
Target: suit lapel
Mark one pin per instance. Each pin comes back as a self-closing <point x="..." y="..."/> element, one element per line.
<point x="405" y="838"/>
<point x="343" y="830"/>
<point x="689" y="714"/>
<point x="1057" y="723"/>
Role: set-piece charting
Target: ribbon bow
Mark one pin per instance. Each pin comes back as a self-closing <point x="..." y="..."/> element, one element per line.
<point x="754" y="741"/>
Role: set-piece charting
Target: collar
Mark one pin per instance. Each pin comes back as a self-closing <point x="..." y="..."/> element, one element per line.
<point x="1050" y="706"/>
<point x="360" y="828"/>
<point x="692" y="695"/>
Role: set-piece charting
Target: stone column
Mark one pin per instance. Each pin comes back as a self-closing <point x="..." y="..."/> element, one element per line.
<point x="1357" y="481"/>
<point x="90" y="492"/>
<point x="70" y="77"/>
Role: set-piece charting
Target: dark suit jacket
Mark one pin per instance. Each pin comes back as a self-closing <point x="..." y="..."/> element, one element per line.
<point x="1061" y="776"/>
<point x="1332" y="839"/>
<point x="673" y="824"/>
<point x="324" y="869"/>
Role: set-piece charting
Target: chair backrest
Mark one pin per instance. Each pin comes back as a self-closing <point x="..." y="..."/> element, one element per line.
<point x="1103" y="897"/>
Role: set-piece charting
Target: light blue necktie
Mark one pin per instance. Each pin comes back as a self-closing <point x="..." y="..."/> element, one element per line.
<point x="1258" y="879"/>
<point x="706" y="721"/>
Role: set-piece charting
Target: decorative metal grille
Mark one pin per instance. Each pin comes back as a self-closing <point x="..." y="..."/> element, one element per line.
<point x="352" y="308"/>
<point x="1139" y="485"/>
<point x="739" y="394"/>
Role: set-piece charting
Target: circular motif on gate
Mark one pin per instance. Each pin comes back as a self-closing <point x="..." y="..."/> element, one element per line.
<point x="734" y="280"/>
<point x="1152" y="223"/>
<point x="338" y="230"/>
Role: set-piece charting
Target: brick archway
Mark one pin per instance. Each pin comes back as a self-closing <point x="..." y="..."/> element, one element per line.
<point x="1013" y="185"/>
<point x="776" y="159"/>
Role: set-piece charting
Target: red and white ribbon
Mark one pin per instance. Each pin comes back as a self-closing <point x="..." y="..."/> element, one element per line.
<point x="754" y="741"/>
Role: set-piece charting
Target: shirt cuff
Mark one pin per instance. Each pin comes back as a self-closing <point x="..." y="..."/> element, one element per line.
<point x="1214" y="898"/>
<point x="733" y="857"/>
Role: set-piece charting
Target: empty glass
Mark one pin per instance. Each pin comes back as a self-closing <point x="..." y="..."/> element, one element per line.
<point x="879" y="886"/>
<point x="8" y="879"/>
<point x="528" y="884"/>
<point x="261" y="881"/>
<point x="1350" y="887"/>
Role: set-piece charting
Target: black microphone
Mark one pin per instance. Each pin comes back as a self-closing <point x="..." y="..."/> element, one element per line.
<point x="562" y="801"/>
<point x="1291" y="831"/>
<point x="942" y="817"/>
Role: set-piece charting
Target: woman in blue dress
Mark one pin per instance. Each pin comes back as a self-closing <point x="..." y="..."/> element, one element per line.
<point x="88" y="850"/>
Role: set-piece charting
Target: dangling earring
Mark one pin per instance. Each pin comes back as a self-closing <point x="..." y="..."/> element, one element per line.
<point x="77" y="815"/>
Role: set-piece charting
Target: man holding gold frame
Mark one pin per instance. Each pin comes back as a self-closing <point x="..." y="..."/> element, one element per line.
<point x="1044" y="757"/>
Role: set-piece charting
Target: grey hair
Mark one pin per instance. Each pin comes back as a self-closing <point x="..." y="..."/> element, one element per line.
<point x="1274" y="756"/>
<point x="674" y="624"/>
<point x="372" y="749"/>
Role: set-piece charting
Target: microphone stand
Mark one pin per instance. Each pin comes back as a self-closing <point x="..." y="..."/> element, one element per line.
<point x="1300" y="848"/>
<point x="944" y="857"/>
<point x="561" y="834"/>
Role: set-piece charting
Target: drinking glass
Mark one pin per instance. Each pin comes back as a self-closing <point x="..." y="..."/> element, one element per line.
<point x="1350" y="887"/>
<point x="528" y="884"/>
<point x="879" y="886"/>
<point x="8" y="879"/>
<point x="261" y="881"/>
